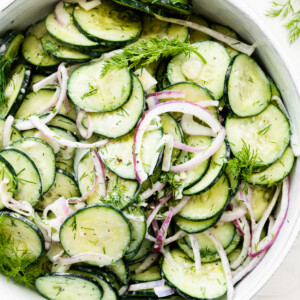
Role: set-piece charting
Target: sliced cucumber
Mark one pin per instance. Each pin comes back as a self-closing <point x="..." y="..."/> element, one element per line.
<point x="98" y="229"/>
<point x="15" y="133"/>
<point x="211" y="74"/>
<point x="151" y="274"/>
<point x="268" y="134"/>
<point x="108" y="24"/>
<point x="66" y="123"/>
<point x="138" y="227"/>
<point x="208" y="283"/>
<point x="161" y="75"/>
<point x="15" y="90"/>
<point x="68" y="35"/>
<point x="209" y="204"/>
<point x="195" y="35"/>
<point x="275" y="172"/>
<point x="143" y="252"/>
<point x="212" y="175"/>
<point x="29" y="180"/>
<point x="63" y="186"/>
<point x="32" y="49"/>
<point x="248" y="90"/>
<point x="274" y="89"/>
<point x="233" y="181"/>
<point x="120" y="270"/>
<point x="10" y="44"/>
<point x="94" y="93"/>
<point x="36" y="78"/>
<point x="71" y="113"/>
<point x="62" y="52"/>
<point x="121" y="192"/>
<point x="194" y="226"/>
<point x="123" y="120"/>
<point x="61" y="286"/>
<point x="22" y="238"/>
<point x="42" y="155"/>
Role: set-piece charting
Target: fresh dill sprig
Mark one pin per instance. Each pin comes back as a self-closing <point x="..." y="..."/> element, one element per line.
<point x="242" y="167"/>
<point x="145" y="52"/>
<point x="285" y="10"/>
<point x="116" y="195"/>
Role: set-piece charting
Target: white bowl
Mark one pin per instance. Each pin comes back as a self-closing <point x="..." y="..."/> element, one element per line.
<point x="19" y="14"/>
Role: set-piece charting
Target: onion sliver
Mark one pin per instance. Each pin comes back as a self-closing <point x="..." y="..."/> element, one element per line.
<point x="7" y="131"/>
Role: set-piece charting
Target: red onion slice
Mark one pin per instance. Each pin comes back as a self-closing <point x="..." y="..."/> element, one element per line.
<point x="147" y="263"/>
<point x="155" y="227"/>
<point x="152" y="101"/>
<point x="66" y="101"/>
<point x="146" y="285"/>
<point x="173" y="106"/>
<point x="178" y="235"/>
<point x="7" y="128"/>
<point x="157" y="187"/>
<point x="188" y="148"/>
<point x="225" y="264"/>
<point x="163" y="231"/>
<point x="169" y="143"/>
<point x="163" y="291"/>
<point x="100" y="172"/>
<point x="170" y="94"/>
<point x="52" y="103"/>
<point x="237" y="213"/>
<point x="61" y="15"/>
<point x="190" y="127"/>
<point x="182" y="203"/>
<point x="50" y="80"/>
<point x="82" y="198"/>
<point x="196" y="250"/>
<point x="38" y="124"/>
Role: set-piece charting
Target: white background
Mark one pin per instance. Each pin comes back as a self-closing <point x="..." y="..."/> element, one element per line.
<point x="285" y="284"/>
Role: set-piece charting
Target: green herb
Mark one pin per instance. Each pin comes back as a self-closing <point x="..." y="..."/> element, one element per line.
<point x="91" y="92"/>
<point x="50" y="48"/>
<point x="115" y="196"/>
<point x="170" y="178"/>
<point x="264" y="130"/>
<point x="286" y="10"/>
<point x="243" y="164"/>
<point x="145" y="52"/>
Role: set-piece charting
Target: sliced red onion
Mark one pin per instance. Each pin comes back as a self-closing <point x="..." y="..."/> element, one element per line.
<point x="88" y="5"/>
<point x="207" y="103"/>
<point x="38" y="124"/>
<point x="188" y="148"/>
<point x="61" y="15"/>
<point x="238" y="227"/>
<point x="182" y="203"/>
<point x="178" y="235"/>
<point x="271" y="223"/>
<point x="62" y="264"/>
<point x="156" y="209"/>
<point x="38" y="222"/>
<point x="268" y="240"/>
<point x="52" y="103"/>
<point x="196" y="250"/>
<point x="155" y="227"/>
<point x="7" y="131"/>
<point x="146" y="285"/>
<point x="172" y="106"/>
<point x="170" y="94"/>
<point x="152" y="101"/>
<point x="247" y="267"/>
<point x="237" y="213"/>
<point x="169" y="143"/>
<point x="243" y="224"/>
<point x="156" y="187"/>
<point x="27" y="124"/>
<point x="190" y="127"/>
<point x="123" y="290"/>
<point x="50" y="80"/>
<point x="150" y="237"/>
<point x="82" y="198"/>
<point x="256" y="234"/>
<point x="202" y="156"/>
<point x="233" y="43"/>
<point x="59" y="207"/>
<point x="225" y="263"/>
<point x="163" y="231"/>
<point x="100" y="172"/>
<point x="66" y="101"/>
<point x="163" y="291"/>
<point x="147" y="263"/>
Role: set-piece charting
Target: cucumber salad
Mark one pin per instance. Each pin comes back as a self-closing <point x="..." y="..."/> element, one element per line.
<point x="144" y="154"/>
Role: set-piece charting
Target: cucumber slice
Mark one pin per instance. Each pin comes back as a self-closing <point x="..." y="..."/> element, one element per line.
<point x="15" y="133"/>
<point x="121" y="192"/>
<point x="29" y="180"/>
<point x="161" y="76"/>
<point x="117" y="155"/>
<point x="208" y="283"/>
<point x="211" y="74"/>
<point x="109" y="292"/>
<point x="61" y="52"/>
<point x="123" y="120"/>
<point x="247" y="88"/>
<point x="233" y="181"/>
<point x="275" y="172"/>
<point x="61" y="286"/>
<point x="195" y="35"/>
<point x="68" y="35"/>
<point x="98" y="229"/>
<point x="63" y="186"/>
<point x="143" y="252"/>
<point x="151" y="274"/>
<point x="10" y="44"/>
<point x="138" y="227"/>
<point x="23" y="238"/>
<point x="108" y="24"/>
<point x="153" y="28"/>
<point x="36" y="78"/>
<point x="268" y="134"/>
<point x="194" y="226"/>
<point x="208" y="204"/>
<point x="224" y="232"/>
<point x="15" y="90"/>
<point x="93" y="93"/>
<point x="32" y="49"/>
<point x="120" y="270"/>
<point x="66" y="123"/>
<point x="42" y="155"/>
<point x="213" y="174"/>
<point x="274" y="89"/>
